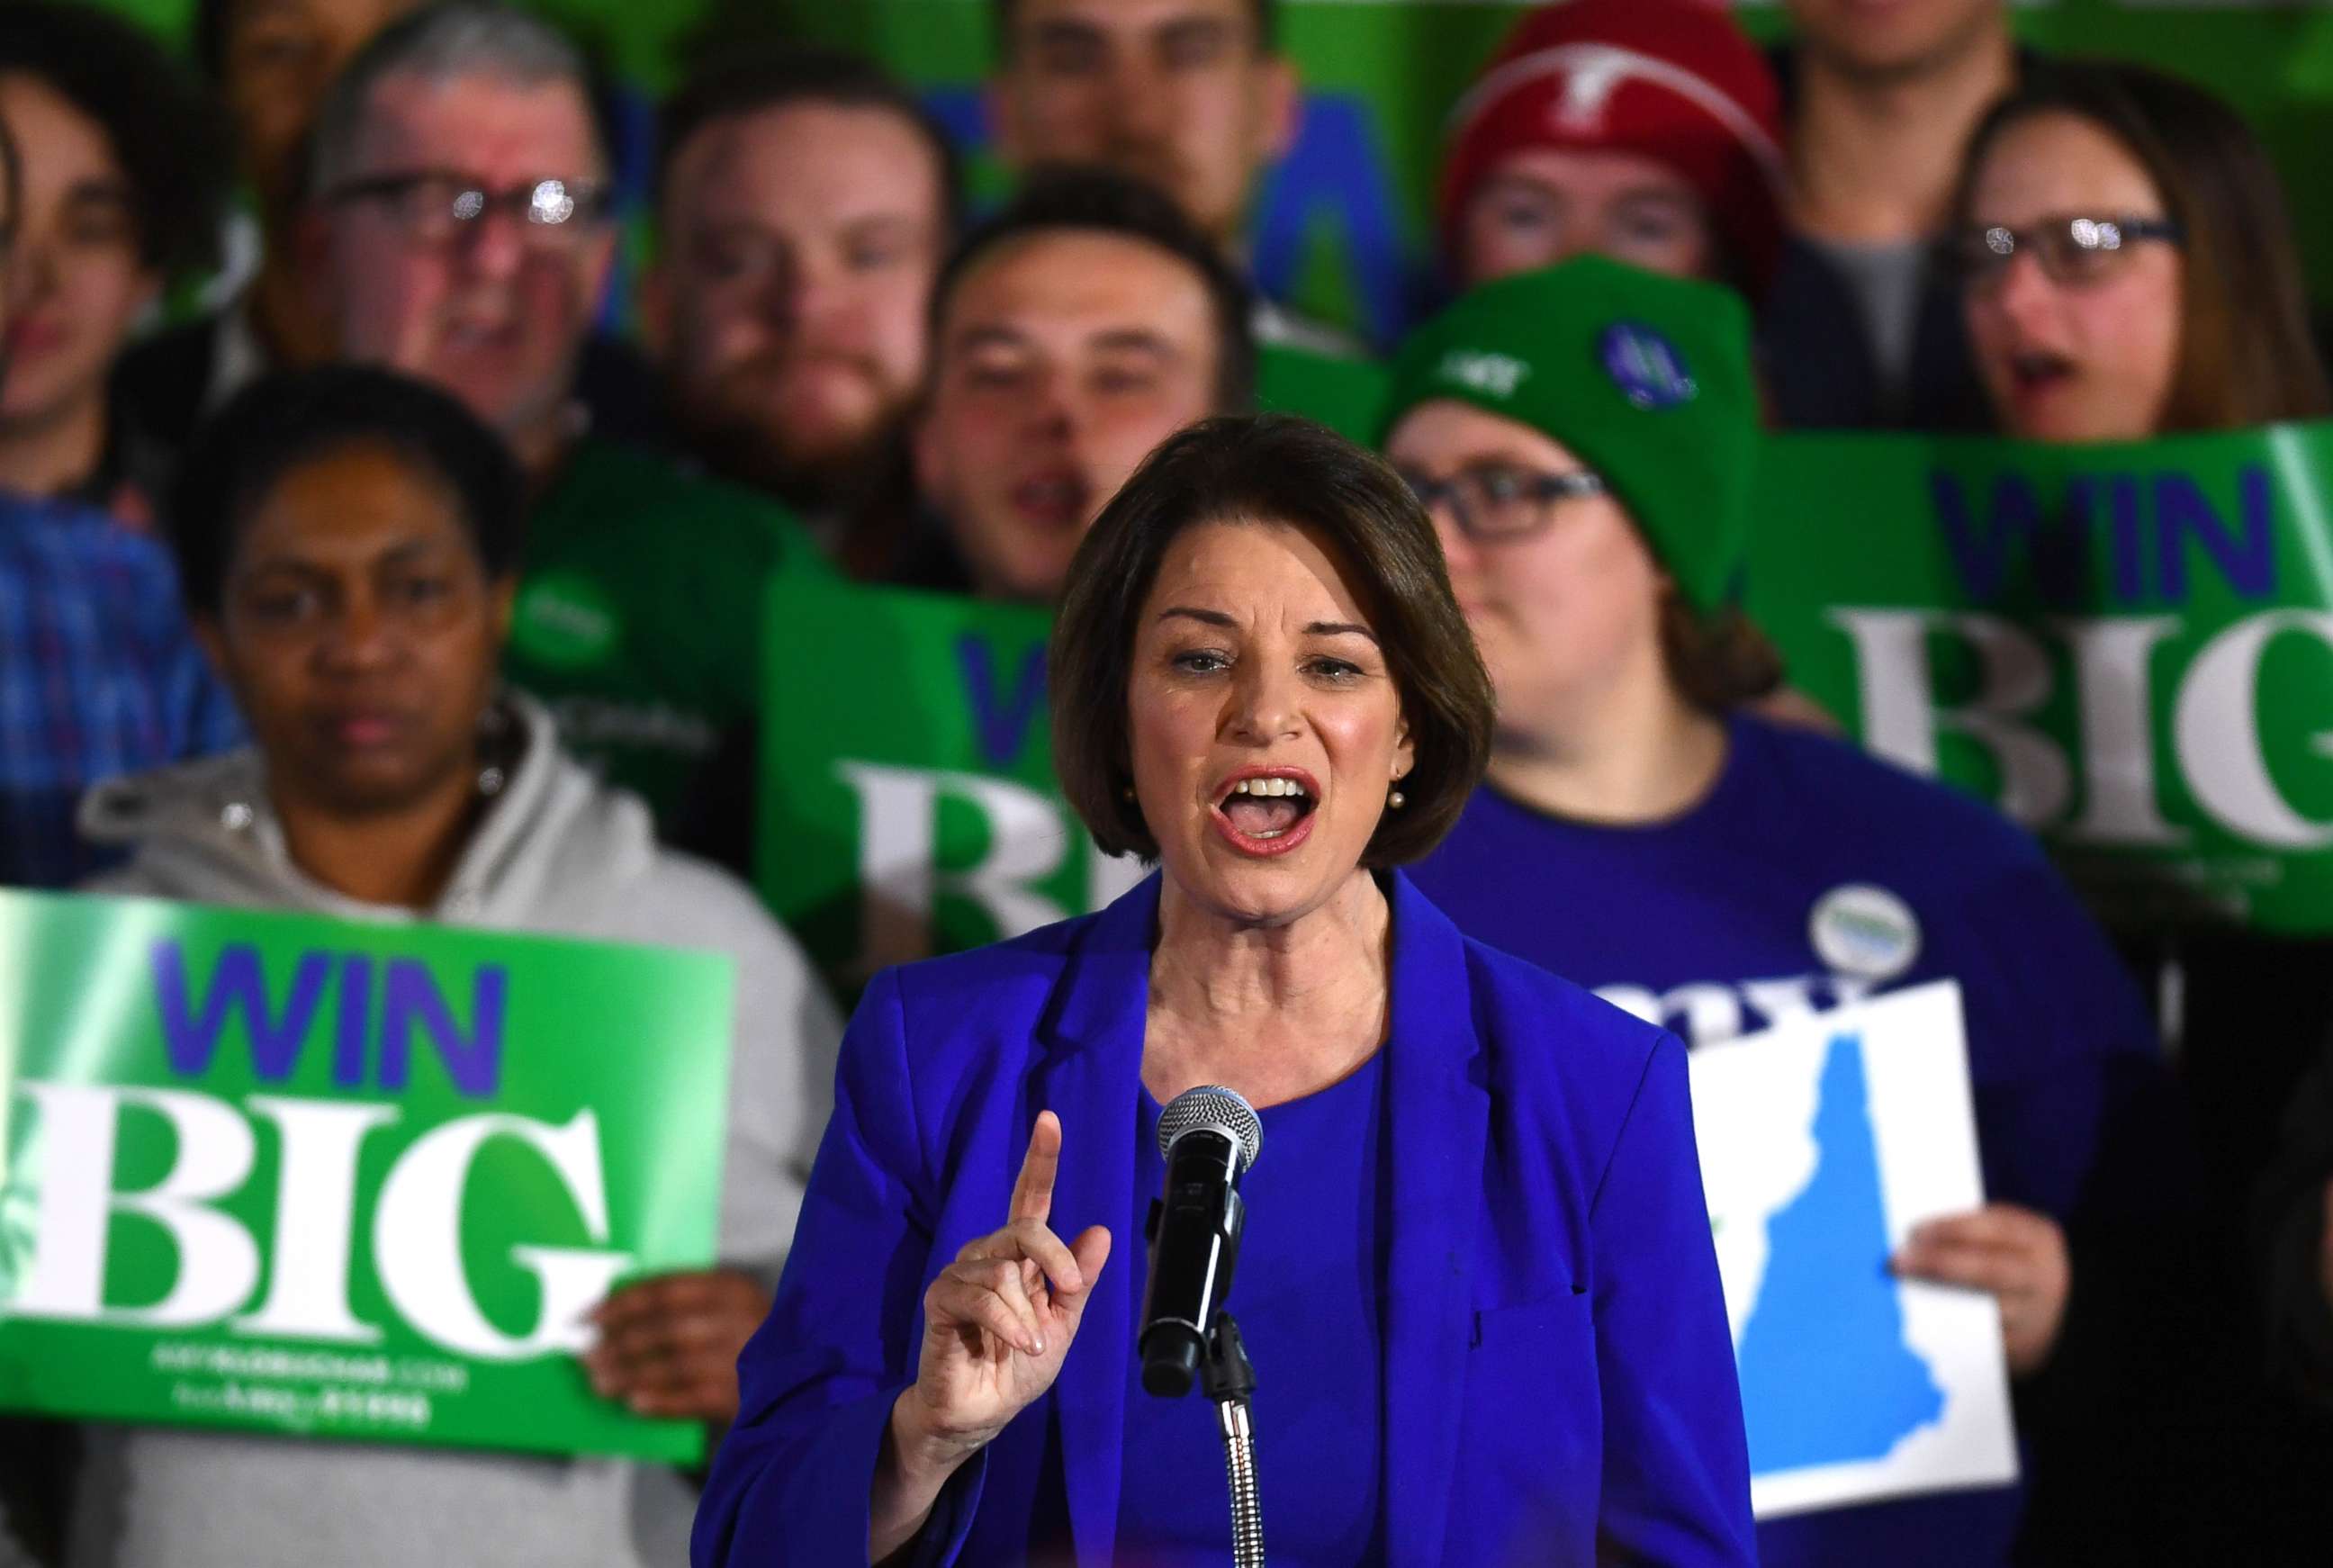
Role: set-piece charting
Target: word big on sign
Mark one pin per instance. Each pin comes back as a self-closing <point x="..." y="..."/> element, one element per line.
<point x="415" y="1238"/>
<point x="2144" y="544"/>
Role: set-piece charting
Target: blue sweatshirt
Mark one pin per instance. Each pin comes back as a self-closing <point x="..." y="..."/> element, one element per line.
<point x="1811" y="875"/>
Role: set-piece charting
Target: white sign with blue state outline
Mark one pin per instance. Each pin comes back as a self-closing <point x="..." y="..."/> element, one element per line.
<point x="1823" y="1141"/>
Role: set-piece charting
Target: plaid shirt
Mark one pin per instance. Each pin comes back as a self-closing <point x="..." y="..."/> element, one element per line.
<point x="99" y="676"/>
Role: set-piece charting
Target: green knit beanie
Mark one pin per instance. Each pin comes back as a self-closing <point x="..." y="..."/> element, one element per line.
<point x="1647" y="378"/>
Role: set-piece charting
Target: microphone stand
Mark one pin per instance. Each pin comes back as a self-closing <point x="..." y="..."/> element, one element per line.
<point x="1229" y="1378"/>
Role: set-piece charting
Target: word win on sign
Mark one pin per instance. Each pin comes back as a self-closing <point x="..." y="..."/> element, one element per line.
<point x="2139" y="540"/>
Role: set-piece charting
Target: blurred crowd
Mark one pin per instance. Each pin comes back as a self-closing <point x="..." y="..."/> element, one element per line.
<point x="350" y="562"/>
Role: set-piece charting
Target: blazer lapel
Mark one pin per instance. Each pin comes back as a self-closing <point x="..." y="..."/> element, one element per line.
<point x="1089" y="1079"/>
<point x="1439" y="1107"/>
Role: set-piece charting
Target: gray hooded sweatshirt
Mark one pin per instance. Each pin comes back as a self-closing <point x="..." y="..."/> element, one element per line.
<point x="555" y="853"/>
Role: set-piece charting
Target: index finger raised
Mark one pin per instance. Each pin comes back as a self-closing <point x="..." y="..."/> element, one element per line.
<point x="1032" y="1194"/>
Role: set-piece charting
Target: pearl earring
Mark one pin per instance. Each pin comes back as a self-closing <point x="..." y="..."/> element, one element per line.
<point x="1396" y="800"/>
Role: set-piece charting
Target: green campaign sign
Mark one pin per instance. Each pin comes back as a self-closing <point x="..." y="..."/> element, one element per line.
<point x="907" y="798"/>
<point x="343" y="1180"/>
<point x="2130" y="647"/>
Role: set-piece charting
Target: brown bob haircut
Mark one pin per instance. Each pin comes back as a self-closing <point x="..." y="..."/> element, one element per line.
<point x="2246" y="353"/>
<point x="1269" y="469"/>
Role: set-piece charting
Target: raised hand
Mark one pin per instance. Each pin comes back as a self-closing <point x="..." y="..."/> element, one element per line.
<point x="997" y="1323"/>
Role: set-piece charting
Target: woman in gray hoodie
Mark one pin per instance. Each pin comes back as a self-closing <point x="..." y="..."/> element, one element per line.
<point x="348" y="542"/>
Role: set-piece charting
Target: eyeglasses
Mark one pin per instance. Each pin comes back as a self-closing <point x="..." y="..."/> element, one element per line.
<point x="1497" y="501"/>
<point x="437" y="207"/>
<point x="2071" y="250"/>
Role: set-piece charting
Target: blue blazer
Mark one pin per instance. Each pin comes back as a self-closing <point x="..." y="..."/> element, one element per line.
<point x="1559" y="1378"/>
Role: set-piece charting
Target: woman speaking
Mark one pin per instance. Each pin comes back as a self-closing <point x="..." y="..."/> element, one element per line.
<point x="1476" y="1279"/>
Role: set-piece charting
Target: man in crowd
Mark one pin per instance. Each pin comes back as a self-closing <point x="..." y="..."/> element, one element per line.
<point x="1195" y="97"/>
<point x="804" y="203"/>
<point x="269" y="62"/>
<point x="272" y="63"/>
<point x="1881" y="99"/>
<point x="1071" y="333"/>
<point x="124" y="179"/>
<point x="99" y="674"/>
<point x="460" y="232"/>
<point x="1645" y="130"/>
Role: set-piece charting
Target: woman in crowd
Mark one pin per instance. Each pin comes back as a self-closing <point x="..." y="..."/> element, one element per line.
<point x="1585" y="438"/>
<point x="2129" y="266"/>
<point x="1648" y="130"/>
<point x="2129" y="272"/>
<point x="348" y="540"/>
<point x="124" y="178"/>
<point x="1476" y="1280"/>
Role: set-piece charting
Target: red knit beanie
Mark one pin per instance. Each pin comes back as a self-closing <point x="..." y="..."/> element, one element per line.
<point x="1673" y="80"/>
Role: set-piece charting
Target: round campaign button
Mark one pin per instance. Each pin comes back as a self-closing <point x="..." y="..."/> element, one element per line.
<point x="1645" y="366"/>
<point x="1865" y="931"/>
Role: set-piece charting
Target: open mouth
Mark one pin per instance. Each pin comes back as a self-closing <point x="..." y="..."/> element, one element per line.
<point x="1057" y="498"/>
<point x="1268" y="811"/>
<point x="2038" y="370"/>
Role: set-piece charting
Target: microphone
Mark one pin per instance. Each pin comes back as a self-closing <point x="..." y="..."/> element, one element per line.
<point x="1210" y="1136"/>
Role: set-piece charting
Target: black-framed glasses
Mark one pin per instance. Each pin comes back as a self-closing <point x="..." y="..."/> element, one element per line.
<point x="1498" y="501"/>
<point x="2071" y="250"/>
<point x="437" y="207"/>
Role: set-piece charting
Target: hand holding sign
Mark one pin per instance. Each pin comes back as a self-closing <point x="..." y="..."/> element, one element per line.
<point x="2017" y="1255"/>
<point x="668" y="1347"/>
<point x="997" y="1323"/>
